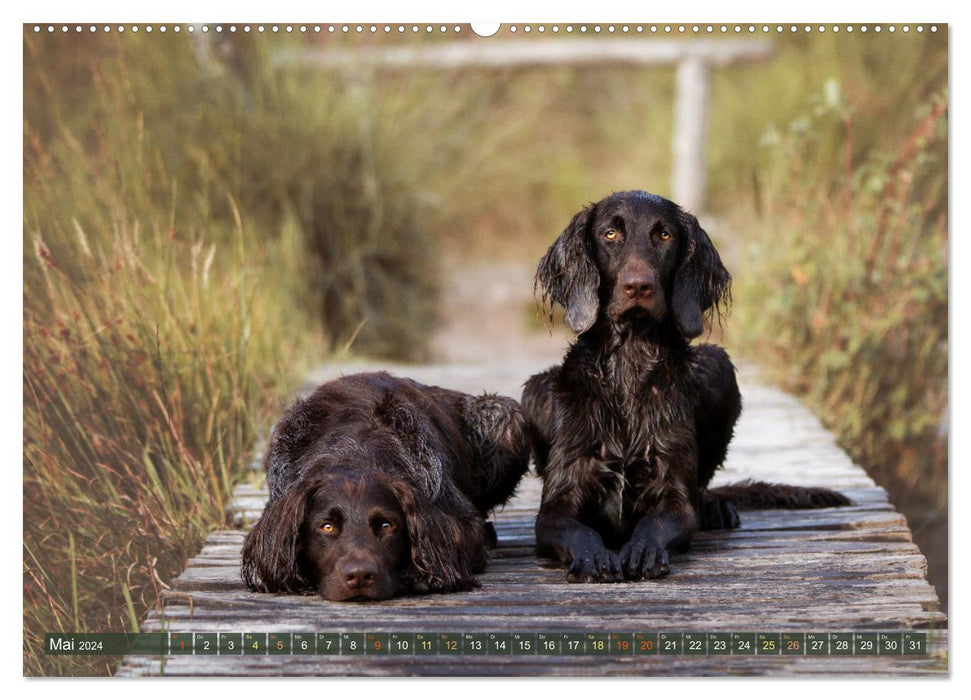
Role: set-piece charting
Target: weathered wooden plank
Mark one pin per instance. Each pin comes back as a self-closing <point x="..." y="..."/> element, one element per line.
<point x="774" y="564"/>
<point x="640" y="611"/>
<point x="779" y="564"/>
<point x="222" y="555"/>
<point x="730" y="618"/>
<point x="886" y="539"/>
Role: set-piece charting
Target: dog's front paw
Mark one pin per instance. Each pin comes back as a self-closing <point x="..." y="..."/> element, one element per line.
<point x="644" y="559"/>
<point x="595" y="566"/>
<point x="718" y="514"/>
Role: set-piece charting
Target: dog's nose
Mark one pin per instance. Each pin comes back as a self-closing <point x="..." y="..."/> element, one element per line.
<point x="359" y="574"/>
<point x="637" y="284"/>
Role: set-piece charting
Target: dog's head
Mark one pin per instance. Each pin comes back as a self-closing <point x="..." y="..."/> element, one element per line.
<point x="343" y="534"/>
<point x="634" y="256"/>
<point x="355" y="542"/>
<point x="356" y="528"/>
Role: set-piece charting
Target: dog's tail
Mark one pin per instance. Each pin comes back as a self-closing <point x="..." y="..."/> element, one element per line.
<point x="753" y="495"/>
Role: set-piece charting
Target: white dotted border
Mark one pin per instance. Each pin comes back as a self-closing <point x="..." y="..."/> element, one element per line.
<point x="443" y="29"/>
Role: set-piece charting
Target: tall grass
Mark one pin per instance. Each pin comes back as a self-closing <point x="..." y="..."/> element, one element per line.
<point x="348" y="162"/>
<point x="322" y="158"/>
<point x="149" y="367"/>
<point x="141" y="400"/>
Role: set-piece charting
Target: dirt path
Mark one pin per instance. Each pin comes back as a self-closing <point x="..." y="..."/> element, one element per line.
<point x="489" y="315"/>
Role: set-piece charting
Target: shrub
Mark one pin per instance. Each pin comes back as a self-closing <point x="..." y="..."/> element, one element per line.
<point x="842" y="293"/>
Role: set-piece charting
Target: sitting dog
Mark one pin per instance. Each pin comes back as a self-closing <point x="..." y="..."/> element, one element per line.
<point x="629" y="430"/>
<point x="380" y="486"/>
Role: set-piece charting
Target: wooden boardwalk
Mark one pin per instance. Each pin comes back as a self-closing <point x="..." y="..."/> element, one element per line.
<point x="846" y="569"/>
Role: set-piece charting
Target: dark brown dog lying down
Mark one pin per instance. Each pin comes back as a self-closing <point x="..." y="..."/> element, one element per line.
<point x="629" y="430"/>
<point x="380" y="486"/>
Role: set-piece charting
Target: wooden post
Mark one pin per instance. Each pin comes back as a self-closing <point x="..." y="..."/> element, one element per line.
<point x="690" y="133"/>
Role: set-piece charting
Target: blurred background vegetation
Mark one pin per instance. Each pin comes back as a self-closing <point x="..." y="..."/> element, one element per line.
<point x="202" y="222"/>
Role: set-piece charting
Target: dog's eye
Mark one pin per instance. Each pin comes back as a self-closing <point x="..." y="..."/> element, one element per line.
<point x="328" y="528"/>
<point x="386" y="526"/>
<point x="664" y="236"/>
<point x="611" y="234"/>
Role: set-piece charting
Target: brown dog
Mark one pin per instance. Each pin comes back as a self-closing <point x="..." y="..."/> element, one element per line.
<point x="629" y="430"/>
<point x="380" y="486"/>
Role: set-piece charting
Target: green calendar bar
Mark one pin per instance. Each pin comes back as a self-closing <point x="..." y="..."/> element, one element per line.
<point x="450" y="644"/>
<point x="402" y="644"/>
<point x="621" y="644"/>
<point x="646" y="644"/>
<point x="695" y="644"/>
<point x="890" y="644"/>
<point x="205" y="644"/>
<point x="500" y="644"/>
<point x="743" y="644"/>
<point x="379" y="643"/>
<point x="352" y="644"/>
<point x="597" y="644"/>
<point x="793" y="644"/>
<point x="817" y="644"/>
<point x="573" y="644"/>
<point x="475" y="644"/>
<point x="524" y="643"/>
<point x="180" y="643"/>
<point x="548" y="644"/>
<point x="719" y="643"/>
<point x="304" y="643"/>
<point x="254" y="643"/>
<point x="915" y="644"/>
<point x="865" y="644"/>
<point x="230" y="644"/>
<point x="105" y="644"/>
<point x="426" y="643"/>
<point x="841" y="644"/>
<point x="328" y="643"/>
<point x="671" y="643"/>
<point x="767" y="643"/>
<point x="278" y="644"/>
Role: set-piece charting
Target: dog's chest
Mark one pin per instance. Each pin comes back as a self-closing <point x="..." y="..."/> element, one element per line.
<point x="645" y="437"/>
<point x="644" y="408"/>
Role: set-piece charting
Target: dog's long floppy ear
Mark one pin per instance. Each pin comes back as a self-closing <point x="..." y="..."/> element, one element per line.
<point x="700" y="282"/>
<point x="271" y="552"/>
<point x="569" y="275"/>
<point x="448" y="544"/>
